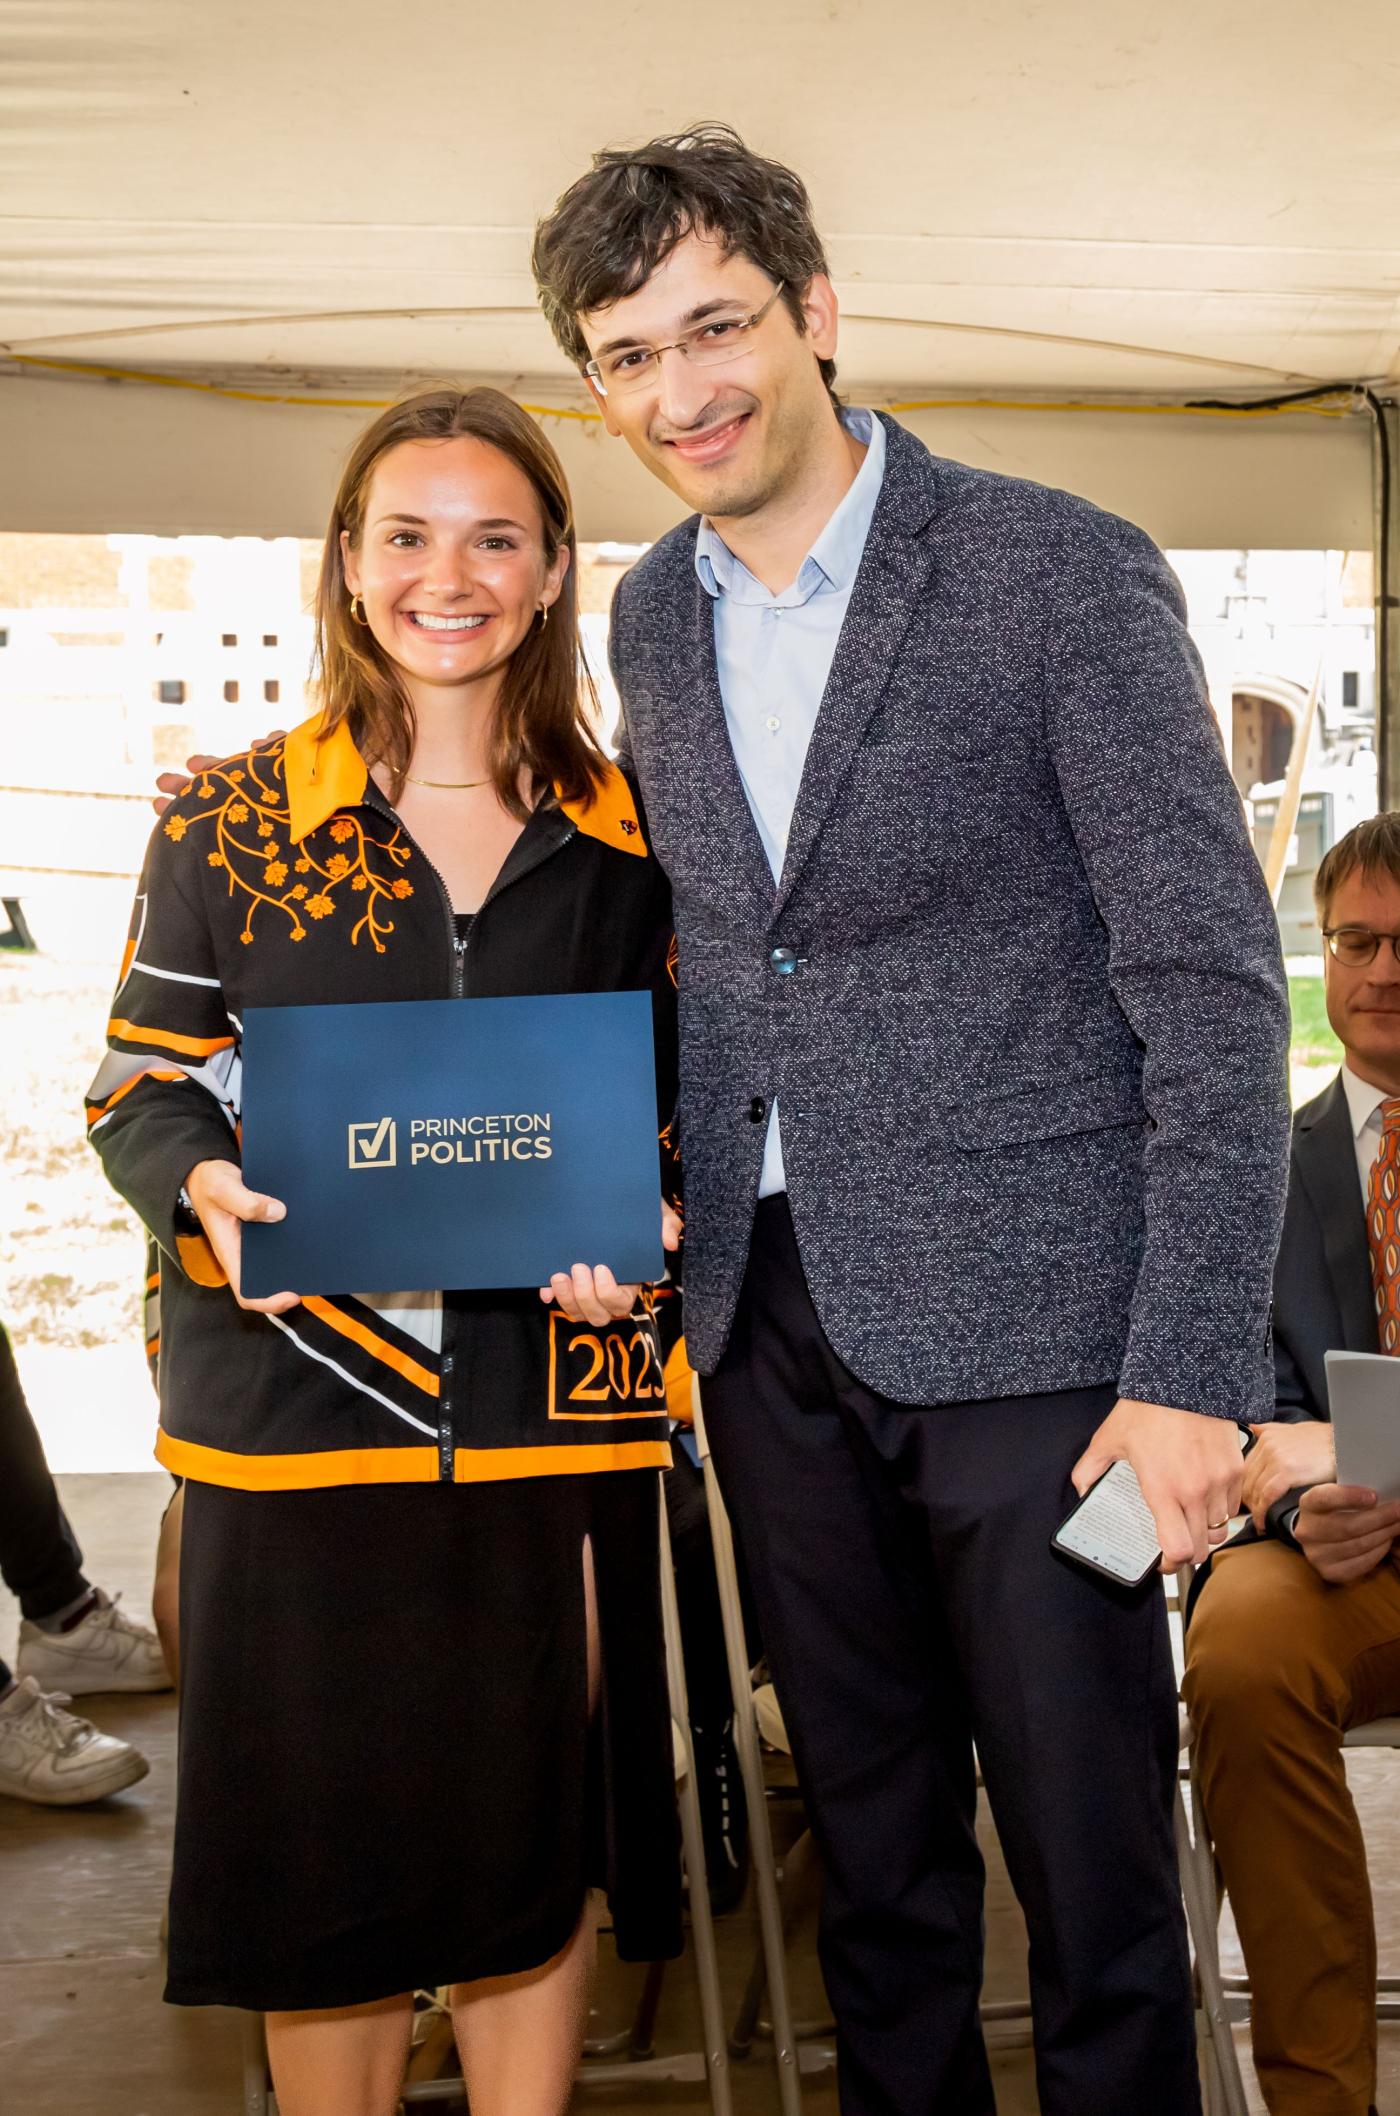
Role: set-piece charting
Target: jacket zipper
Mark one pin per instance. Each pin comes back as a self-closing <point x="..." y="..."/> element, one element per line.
<point x="457" y="986"/>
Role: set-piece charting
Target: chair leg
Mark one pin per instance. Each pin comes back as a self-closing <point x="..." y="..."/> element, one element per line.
<point x="770" y="1914"/>
<point x="1202" y="1917"/>
<point x="257" y="2081"/>
<point x="643" y="2040"/>
<point x="692" y="1836"/>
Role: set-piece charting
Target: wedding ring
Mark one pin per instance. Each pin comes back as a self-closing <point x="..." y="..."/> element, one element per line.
<point x="1214" y="1525"/>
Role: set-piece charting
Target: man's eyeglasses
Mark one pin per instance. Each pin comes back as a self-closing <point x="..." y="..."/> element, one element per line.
<point x="710" y="344"/>
<point x="1357" y="945"/>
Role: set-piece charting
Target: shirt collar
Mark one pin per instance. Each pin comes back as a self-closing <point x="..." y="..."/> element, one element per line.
<point x="836" y="554"/>
<point x="326" y="774"/>
<point x="1363" y="1100"/>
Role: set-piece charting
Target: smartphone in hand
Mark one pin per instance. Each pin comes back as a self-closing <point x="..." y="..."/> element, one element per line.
<point x="1111" y="1530"/>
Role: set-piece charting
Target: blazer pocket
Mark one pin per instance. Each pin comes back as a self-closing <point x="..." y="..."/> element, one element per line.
<point x="1052" y="1110"/>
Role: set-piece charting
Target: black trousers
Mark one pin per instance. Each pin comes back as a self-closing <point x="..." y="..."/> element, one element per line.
<point x="910" y="1606"/>
<point x="40" y="1561"/>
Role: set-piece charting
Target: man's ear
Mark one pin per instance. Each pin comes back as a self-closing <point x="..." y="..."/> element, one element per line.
<point x="822" y="313"/>
<point x="602" y="403"/>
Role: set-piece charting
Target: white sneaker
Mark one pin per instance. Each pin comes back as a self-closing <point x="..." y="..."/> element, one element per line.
<point x="108" y="1650"/>
<point x="53" y="1757"/>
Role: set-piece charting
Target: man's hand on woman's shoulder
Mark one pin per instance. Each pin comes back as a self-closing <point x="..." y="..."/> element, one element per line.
<point x="173" y="783"/>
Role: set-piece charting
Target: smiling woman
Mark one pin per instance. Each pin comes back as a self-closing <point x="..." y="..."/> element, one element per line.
<point x="450" y="541"/>
<point x="396" y="1516"/>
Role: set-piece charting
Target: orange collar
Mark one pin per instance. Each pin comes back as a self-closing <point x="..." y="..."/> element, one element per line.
<point x="611" y="816"/>
<point x="321" y="777"/>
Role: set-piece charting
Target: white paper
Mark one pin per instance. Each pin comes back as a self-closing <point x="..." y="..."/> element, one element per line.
<point x="1364" y="1392"/>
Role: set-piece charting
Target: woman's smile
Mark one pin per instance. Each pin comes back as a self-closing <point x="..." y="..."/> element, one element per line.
<point x="432" y="621"/>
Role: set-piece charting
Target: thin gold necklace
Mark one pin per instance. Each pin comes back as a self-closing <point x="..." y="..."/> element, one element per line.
<point x="446" y="785"/>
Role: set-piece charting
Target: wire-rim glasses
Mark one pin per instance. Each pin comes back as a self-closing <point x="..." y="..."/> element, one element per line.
<point x="1358" y="945"/>
<point x="710" y="344"/>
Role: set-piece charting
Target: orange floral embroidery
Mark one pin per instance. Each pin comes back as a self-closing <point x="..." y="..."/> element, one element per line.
<point x="259" y="877"/>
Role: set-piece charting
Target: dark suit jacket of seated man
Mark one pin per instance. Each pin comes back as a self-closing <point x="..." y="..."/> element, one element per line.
<point x="1296" y="1635"/>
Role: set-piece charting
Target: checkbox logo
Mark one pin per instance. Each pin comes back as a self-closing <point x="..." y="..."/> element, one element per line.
<point x="374" y="1145"/>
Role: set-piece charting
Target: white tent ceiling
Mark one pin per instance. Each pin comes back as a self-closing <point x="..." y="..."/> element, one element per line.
<point x="1084" y="199"/>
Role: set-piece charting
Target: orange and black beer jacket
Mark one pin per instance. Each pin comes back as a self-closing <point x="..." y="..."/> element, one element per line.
<point x="284" y="878"/>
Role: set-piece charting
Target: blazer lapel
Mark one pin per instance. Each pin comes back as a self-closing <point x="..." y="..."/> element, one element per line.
<point x="722" y="810"/>
<point x="1325" y="1151"/>
<point x="890" y="585"/>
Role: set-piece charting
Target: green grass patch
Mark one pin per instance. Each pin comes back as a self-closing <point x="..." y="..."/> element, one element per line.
<point x="1313" y="1042"/>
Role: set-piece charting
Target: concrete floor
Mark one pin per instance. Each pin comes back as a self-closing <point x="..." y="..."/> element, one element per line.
<point x="83" y="2031"/>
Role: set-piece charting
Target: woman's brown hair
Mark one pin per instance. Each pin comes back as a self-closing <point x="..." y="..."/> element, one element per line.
<point x="547" y="710"/>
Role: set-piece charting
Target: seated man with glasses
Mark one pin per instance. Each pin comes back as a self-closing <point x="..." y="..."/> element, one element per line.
<point x="1296" y="1634"/>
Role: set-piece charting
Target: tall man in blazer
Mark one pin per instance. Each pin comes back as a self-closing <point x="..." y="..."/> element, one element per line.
<point x="983" y="1118"/>
<point x="1296" y="1633"/>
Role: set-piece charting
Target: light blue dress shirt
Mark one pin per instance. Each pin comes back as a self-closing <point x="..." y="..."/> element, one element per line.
<point x="774" y="654"/>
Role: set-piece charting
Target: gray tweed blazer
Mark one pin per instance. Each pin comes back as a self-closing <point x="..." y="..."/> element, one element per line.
<point x="1031" y="1061"/>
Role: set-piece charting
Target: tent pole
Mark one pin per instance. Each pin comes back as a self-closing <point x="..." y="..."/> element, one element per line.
<point x="1386" y="486"/>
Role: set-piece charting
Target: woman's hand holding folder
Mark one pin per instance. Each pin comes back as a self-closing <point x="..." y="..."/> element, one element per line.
<point x="222" y="1202"/>
<point x="590" y="1293"/>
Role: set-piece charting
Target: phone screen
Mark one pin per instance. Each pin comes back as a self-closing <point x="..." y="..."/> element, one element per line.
<point x="1112" y="1528"/>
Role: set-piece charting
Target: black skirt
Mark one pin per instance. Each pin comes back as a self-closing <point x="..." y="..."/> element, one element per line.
<point x="388" y="1780"/>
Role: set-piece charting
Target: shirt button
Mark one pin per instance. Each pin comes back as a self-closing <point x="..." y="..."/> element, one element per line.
<point x="772" y="723"/>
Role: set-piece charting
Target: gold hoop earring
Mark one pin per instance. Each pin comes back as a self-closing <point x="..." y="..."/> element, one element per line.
<point x="544" y="615"/>
<point x="358" y="613"/>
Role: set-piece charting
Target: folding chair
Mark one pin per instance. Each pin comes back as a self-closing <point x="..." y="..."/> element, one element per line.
<point x="710" y="2065"/>
<point x="1226" y="1998"/>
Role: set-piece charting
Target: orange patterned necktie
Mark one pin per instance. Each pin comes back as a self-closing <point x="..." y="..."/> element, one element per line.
<point x="1383" y="1227"/>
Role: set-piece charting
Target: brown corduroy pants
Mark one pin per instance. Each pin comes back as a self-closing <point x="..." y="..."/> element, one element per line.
<point x="1278" y="1666"/>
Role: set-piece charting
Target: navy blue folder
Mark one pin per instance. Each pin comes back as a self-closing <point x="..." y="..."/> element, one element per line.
<point x="451" y="1143"/>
